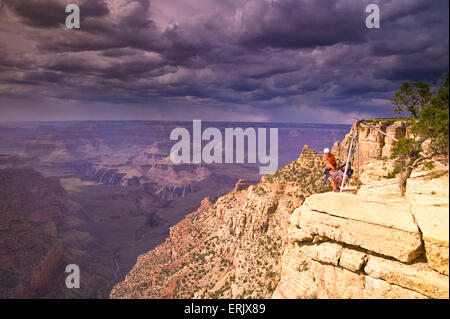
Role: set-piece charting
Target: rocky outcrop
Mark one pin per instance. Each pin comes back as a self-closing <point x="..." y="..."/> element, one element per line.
<point x="168" y="181"/>
<point x="371" y="245"/>
<point x="397" y="130"/>
<point x="206" y="203"/>
<point x="29" y="194"/>
<point x="109" y="176"/>
<point x="29" y="257"/>
<point x="240" y="185"/>
<point x="373" y="144"/>
<point x="11" y="161"/>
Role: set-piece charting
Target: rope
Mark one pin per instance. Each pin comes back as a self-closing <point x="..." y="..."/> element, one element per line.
<point x="373" y="127"/>
<point x="348" y="157"/>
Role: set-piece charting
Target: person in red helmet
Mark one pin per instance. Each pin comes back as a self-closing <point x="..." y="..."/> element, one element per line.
<point x="331" y="164"/>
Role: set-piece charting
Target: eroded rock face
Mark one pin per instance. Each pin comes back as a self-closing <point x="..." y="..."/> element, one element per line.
<point x="396" y="130"/>
<point x="369" y="245"/>
<point x="372" y="143"/>
<point x="417" y="277"/>
<point x="30" y="248"/>
<point x="230" y="248"/>
<point x="375" y="244"/>
<point x="306" y="278"/>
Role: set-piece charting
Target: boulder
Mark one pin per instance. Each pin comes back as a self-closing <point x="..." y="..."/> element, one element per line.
<point x="433" y="222"/>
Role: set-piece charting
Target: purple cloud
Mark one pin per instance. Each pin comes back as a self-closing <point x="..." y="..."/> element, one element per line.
<point x="210" y="59"/>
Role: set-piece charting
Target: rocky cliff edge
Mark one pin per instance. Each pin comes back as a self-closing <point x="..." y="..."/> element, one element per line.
<point x="373" y="244"/>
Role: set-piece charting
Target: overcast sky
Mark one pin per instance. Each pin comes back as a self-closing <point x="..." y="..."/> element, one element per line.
<point x="243" y="60"/>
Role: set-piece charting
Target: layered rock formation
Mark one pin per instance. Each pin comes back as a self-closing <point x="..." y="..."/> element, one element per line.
<point x="240" y="185"/>
<point x="44" y="226"/>
<point x="373" y="144"/>
<point x="167" y="180"/>
<point x="267" y="241"/>
<point x="108" y="224"/>
<point x="371" y="245"/>
<point x="229" y="248"/>
<point x="31" y="209"/>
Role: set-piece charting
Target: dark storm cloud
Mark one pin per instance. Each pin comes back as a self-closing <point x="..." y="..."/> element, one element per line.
<point x="409" y="69"/>
<point x="138" y="17"/>
<point x="396" y="10"/>
<point x="267" y="57"/>
<point x="38" y="77"/>
<point x="33" y="13"/>
<point x="47" y="13"/>
<point x="296" y="24"/>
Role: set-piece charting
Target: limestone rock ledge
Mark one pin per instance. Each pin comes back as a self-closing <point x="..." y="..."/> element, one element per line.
<point x="359" y="246"/>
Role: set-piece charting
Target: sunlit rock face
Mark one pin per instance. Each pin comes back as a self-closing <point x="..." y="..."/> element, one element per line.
<point x="372" y="143"/>
<point x="289" y="237"/>
<point x="230" y="247"/>
<point x="373" y="244"/>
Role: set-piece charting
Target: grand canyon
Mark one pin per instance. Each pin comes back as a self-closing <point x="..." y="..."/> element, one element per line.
<point x="106" y="197"/>
<point x="139" y="155"/>
<point x="99" y="194"/>
<point x="289" y="237"/>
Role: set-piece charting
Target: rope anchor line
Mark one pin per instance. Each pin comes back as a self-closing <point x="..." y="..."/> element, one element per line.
<point x="355" y="142"/>
<point x="354" y="129"/>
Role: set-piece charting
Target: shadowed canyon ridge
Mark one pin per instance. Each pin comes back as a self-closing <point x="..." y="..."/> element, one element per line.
<point x="99" y="194"/>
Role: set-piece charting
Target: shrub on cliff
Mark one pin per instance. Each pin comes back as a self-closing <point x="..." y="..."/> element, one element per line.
<point x="429" y="120"/>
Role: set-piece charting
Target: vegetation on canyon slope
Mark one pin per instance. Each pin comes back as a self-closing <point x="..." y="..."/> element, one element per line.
<point x="230" y="248"/>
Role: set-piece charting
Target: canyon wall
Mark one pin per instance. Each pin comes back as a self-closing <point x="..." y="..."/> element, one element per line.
<point x="372" y="143"/>
<point x="267" y="241"/>
<point x="229" y="248"/>
<point x="96" y="222"/>
<point x="31" y="209"/>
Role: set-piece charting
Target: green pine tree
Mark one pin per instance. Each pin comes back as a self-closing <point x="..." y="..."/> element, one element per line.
<point x="429" y="121"/>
